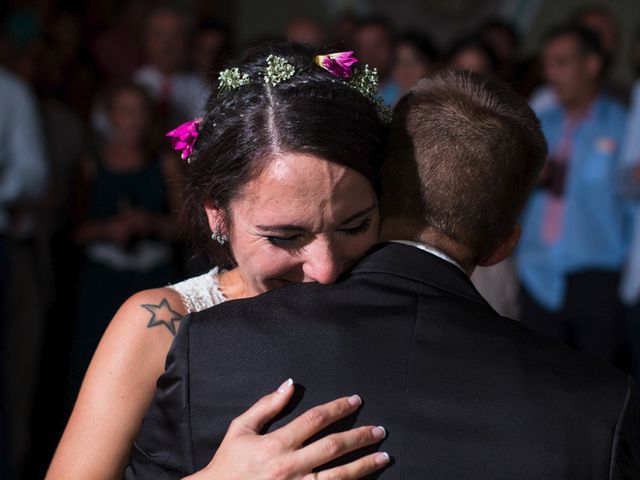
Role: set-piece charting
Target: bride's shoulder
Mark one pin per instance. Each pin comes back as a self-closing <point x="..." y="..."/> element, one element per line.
<point x="143" y="328"/>
<point x="140" y="334"/>
<point x="156" y="307"/>
<point x="150" y="319"/>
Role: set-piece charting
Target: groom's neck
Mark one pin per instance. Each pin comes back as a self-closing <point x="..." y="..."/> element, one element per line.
<point x="430" y="237"/>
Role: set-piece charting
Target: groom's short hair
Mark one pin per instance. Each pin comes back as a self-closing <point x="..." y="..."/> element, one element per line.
<point x="465" y="152"/>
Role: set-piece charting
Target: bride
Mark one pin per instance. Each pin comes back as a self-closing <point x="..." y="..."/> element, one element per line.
<point x="282" y="184"/>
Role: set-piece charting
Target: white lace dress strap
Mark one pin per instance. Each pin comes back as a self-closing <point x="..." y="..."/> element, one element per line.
<point x="201" y="292"/>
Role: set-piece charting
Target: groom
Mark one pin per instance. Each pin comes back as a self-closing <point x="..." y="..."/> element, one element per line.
<point x="463" y="392"/>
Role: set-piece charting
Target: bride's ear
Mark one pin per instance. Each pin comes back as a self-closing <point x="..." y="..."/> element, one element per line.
<point x="503" y="250"/>
<point x="215" y="216"/>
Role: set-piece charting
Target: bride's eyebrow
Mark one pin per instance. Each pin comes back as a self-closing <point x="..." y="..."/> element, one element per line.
<point x="279" y="228"/>
<point x="298" y="228"/>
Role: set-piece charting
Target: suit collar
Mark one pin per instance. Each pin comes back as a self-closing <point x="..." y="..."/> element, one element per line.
<point x="432" y="250"/>
<point x="409" y="262"/>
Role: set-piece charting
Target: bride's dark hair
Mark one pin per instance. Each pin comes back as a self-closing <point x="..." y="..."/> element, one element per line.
<point x="312" y="113"/>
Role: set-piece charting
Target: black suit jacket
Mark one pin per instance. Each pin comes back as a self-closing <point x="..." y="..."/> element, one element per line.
<point x="463" y="392"/>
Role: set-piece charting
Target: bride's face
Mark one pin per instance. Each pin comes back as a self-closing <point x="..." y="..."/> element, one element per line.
<point x="304" y="219"/>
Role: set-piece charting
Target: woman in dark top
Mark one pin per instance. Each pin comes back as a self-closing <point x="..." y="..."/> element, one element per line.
<point x="128" y="196"/>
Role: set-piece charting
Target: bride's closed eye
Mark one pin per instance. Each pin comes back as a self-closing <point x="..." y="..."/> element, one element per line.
<point x="291" y="241"/>
<point x="288" y="241"/>
<point x="357" y="230"/>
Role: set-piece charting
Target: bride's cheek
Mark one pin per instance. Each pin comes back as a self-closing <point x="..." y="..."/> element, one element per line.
<point x="275" y="262"/>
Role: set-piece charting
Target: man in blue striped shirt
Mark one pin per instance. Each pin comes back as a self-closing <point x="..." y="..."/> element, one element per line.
<point x="576" y="227"/>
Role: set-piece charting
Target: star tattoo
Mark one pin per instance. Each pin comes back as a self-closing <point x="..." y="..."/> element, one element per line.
<point x="162" y="314"/>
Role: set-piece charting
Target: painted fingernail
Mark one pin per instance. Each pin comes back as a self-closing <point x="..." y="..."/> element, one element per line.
<point x="285" y="386"/>
<point x="381" y="458"/>
<point x="354" y="400"/>
<point x="379" y="432"/>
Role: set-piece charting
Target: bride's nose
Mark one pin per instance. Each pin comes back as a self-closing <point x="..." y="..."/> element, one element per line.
<point x="322" y="263"/>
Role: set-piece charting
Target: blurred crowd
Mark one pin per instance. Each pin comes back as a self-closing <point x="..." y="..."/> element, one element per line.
<point x="91" y="192"/>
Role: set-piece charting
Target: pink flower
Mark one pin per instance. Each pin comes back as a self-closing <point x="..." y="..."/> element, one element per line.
<point x="184" y="137"/>
<point x="338" y="64"/>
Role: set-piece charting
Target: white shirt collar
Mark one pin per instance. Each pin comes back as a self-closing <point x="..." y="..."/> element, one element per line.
<point x="431" y="250"/>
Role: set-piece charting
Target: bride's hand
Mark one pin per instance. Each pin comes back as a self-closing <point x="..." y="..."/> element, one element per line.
<point x="279" y="455"/>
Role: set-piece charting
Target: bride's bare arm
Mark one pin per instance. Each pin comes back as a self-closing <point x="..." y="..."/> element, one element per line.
<point x="118" y="387"/>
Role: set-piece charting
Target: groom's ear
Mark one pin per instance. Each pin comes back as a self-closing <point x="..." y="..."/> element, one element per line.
<point x="503" y="250"/>
<point x="214" y="215"/>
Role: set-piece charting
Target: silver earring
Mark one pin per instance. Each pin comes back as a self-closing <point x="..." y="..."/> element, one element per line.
<point x="219" y="237"/>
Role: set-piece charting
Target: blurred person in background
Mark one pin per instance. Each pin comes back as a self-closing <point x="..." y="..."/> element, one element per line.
<point x="576" y="227"/>
<point x="24" y="22"/>
<point x="211" y="48"/>
<point x="65" y="133"/>
<point x="118" y="51"/>
<point x="503" y="39"/>
<point x="415" y="58"/>
<point x="630" y="183"/>
<point x="177" y="94"/>
<point x="63" y="80"/>
<point x="306" y="31"/>
<point x="374" y="44"/>
<point x="23" y="181"/>
<point x="70" y="73"/>
<point x="472" y="54"/>
<point x="344" y="30"/>
<point x="128" y="198"/>
<point x="600" y="20"/>
<point x="26" y="62"/>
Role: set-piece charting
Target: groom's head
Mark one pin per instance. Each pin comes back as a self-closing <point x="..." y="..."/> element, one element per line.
<point x="465" y="152"/>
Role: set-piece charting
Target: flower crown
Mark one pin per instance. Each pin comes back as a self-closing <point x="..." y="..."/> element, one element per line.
<point x="278" y="70"/>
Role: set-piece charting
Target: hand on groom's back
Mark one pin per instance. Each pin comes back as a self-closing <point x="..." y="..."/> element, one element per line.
<point x="245" y="454"/>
